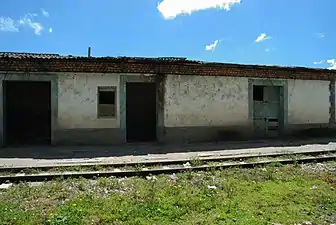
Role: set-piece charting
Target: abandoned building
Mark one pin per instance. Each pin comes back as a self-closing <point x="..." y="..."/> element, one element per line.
<point x="54" y="99"/>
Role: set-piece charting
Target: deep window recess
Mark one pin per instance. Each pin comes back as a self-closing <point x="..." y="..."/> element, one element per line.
<point x="106" y="102"/>
<point x="258" y="93"/>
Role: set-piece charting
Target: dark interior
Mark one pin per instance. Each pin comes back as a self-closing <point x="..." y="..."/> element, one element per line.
<point x="27" y="112"/>
<point x="258" y="93"/>
<point x="140" y="112"/>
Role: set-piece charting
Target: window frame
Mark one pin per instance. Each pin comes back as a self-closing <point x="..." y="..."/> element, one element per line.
<point x="106" y="89"/>
<point x="260" y="87"/>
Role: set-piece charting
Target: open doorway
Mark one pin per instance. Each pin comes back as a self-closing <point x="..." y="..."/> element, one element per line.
<point x="140" y="112"/>
<point x="27" y="112"/>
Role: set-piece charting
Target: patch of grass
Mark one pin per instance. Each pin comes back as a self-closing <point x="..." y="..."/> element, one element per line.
<point x="76" y="169"/>
<point x="275" y="164"/>
<point x="261" y="195"/>
<point x="138" y="167"/>
<point x="31" y="171"/>
<point x="196" y="161"/>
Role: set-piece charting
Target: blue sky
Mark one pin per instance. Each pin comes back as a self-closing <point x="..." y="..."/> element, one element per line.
<point x="286" y="32"/>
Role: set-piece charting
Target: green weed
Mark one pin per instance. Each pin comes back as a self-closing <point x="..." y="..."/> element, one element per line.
<point x="261" y="195"/>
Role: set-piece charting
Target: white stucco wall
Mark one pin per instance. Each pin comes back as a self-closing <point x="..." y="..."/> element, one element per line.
<point x="189" y="101"/>
<point x="206" y="101"/>
<point x="308" y="101"/>
<point x="77" y="100"/>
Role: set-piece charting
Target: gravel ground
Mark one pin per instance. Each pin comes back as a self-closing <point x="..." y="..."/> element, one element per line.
<point x="318" y="167"/>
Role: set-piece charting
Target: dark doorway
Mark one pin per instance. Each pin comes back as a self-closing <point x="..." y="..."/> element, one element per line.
<point x="140" y="112"/>
<point x="27" y="112"/>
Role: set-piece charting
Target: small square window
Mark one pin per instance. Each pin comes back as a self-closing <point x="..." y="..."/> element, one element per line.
<point x="106" y="102"/>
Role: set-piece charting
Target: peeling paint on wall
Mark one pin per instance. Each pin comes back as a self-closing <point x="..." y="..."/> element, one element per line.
<point x="188" y="101"/>
<point x="206" y="101"/>
<point x="308" y="102"/>
<point x="77" y="96"/>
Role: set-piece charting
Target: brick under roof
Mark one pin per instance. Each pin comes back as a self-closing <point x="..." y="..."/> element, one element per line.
<point x="42" y="62"/>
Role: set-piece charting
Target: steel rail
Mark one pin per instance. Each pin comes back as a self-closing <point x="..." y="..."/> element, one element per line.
<point x="154" y="171"/>
<point x="203" y="159"/>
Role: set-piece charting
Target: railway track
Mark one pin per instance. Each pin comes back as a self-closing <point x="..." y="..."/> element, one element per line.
<point x="203" y="159"/>
<point x="45" y="173"/>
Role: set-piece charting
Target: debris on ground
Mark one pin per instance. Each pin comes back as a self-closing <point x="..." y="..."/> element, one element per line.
<point x="307" y="223"/>
<point x="153" y="178"/>
<point x="165" y="167"/>
<point x="314" y="187"/>
<point x="35" y="184"/>
<point x="122" y="179"/>
<point x="5" y="185"/>
<point x="212" y="187"/>
<point x="187" y="164"/>
<point x="173" y="177"/>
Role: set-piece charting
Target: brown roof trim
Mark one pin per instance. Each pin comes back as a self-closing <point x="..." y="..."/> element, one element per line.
<point x="33" y="62"/>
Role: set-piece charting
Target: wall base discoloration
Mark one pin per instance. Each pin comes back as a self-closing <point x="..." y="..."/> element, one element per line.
<point x="205" y="134"/>
<point x="310" y="130"/>
<point x="108" y="136"/>
<point x="184" y="135"/>
<point x="242" y="133"/>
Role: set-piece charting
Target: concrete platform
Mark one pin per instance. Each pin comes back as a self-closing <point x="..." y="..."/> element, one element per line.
<point x="137" y="153"/>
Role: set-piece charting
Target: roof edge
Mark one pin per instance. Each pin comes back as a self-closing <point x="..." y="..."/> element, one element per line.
<point x="154" y="60"/>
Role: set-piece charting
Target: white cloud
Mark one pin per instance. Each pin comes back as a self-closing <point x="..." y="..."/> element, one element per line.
<point x="332" y="63"/>
<point x="262" y="37"/>
<point x="44" y="13"/>
<point x="31" y="14"/>
<point x="211" y="47"/>
<point x="28" y="21"/>
<point x="50" y="30"/>
<point x="319" y="62"/>
<point x="320" y="35"/>
<point x="7" y="24"/>
<point x="270" y="49"/>
<point x="172" y="8"/>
